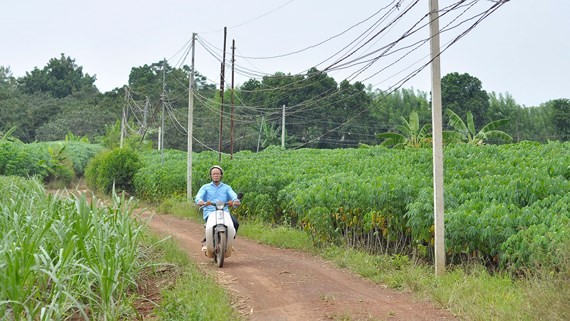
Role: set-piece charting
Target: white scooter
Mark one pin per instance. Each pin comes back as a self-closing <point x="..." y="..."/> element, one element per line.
<point x="220" y="234"/>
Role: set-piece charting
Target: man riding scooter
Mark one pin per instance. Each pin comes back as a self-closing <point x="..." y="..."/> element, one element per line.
<point x="216" y="191"/>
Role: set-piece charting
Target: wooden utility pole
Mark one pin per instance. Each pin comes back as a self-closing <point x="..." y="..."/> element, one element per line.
<point x="123" y="118"/>
<point x="259" y="138"/>
<point x="222" y="94"/>
<point x="283" y="129"/>
<point x="232" y="113"/>
<point x="162" y="100"/>
<point x="437" y="139"/>
<point x="145" y="112"/>
<point x="190" y="123"/>
<point x="144" y="127"/>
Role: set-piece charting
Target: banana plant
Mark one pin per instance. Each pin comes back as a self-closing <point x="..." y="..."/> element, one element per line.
<point x="8" y="135"/>
<point x="410" y="136"/>
<point x="466" y="132"/>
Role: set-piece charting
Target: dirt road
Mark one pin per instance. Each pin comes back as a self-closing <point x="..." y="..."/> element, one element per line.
<point x="278" y="284"/>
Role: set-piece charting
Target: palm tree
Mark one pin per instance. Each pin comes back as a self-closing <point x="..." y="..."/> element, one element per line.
<point x="466" y="132"/>
<point x="411" y="135"/>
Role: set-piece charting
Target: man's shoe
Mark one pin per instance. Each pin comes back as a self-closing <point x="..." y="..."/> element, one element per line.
<point x="204" y="248"/>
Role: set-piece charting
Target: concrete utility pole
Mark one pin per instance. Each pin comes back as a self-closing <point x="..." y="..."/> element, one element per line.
<point x="437" y="139"/>
<point x="190" y="123"/>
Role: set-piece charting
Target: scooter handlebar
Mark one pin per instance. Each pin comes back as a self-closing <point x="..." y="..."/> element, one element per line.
<point x="229" y="203"/>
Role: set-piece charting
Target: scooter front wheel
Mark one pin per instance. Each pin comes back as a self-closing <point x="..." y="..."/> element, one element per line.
<point x="220" y="248"/>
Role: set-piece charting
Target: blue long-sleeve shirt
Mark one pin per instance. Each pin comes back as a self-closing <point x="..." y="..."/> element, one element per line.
<point x="211" y="192"/>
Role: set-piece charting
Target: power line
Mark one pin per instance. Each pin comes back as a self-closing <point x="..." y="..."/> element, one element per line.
<point x="364" y="54"/>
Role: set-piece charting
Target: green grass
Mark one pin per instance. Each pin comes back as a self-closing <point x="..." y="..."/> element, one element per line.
<point x="278" y="236"/>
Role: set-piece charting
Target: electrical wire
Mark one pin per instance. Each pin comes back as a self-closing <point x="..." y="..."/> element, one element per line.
<point x="364" y="62"/>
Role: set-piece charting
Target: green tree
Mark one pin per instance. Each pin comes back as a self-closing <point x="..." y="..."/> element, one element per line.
<point x="464" y="93"/>
<point x="160" y="78"/>
<point x="319" y="112"/>
<point x="561" y="117"/>
<point x="536" y="124"/>
<point x="388" y="109"/>
<point x="83" y="120"/>
<point x="28" y="113"/>
<point x="60" y="78"/>
<point x="167" y="86"/>
<point x="348" y="116"/>
<point x="467" y="131"/>
<point x="304" y="97"/>
<point x="410" y="135"/>
<point x="7" y="83"/>
<point x="504" y="106"/>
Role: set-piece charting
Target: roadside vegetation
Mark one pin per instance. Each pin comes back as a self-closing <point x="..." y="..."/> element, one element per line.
<point x="367" y="209"/>
<point x="63" y="257"/>
<point x="72" y="256"/>
<point x="468" y="290"/>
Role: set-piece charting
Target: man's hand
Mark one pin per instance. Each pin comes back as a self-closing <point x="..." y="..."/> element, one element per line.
<point x="236" y="202"/>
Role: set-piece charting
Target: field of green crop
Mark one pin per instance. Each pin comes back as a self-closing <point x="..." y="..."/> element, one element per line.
<point x="506" y="206"/>
<point x="62" y="258"/>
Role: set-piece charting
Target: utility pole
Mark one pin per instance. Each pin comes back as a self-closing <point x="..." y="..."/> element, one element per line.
<point x="145" y="112"/>
<point x="259" y="138"/>
<point x="436" y="115"/>
<point x="123" y="118"/>
<point x="190" y="123"/>
<point x="159" y="137"/>
<point x="144" y="127"/>
<point x="162" y="100"/>
<point x="283" y="129"/>
<point x="222" y="94"/>
<point x="232" y="113"/>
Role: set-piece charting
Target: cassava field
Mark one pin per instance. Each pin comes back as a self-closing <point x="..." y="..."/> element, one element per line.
<point x="506" y="207"/>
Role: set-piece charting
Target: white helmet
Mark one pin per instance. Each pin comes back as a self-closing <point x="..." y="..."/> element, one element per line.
<point x="218" y="167"/>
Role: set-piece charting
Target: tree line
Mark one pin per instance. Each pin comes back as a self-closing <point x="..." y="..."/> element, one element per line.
<point x="60" y="99"/>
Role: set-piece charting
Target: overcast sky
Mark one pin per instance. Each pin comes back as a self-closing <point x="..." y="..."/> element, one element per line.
<point x="522" y="48"/>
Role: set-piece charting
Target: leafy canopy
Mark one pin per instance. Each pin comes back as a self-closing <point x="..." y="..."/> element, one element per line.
<point x="60" y="78"/>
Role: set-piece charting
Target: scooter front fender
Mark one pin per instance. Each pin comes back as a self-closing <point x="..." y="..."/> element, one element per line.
<point x="219" y="221"/>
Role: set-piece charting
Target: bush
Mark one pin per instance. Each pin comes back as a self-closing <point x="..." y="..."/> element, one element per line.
<point x="21" y="160"/>
<point x="160" y="181"/>
<point x="92" y="169"/>
<point x="79" y="153"/>
<point x="116" y="167"/>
